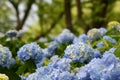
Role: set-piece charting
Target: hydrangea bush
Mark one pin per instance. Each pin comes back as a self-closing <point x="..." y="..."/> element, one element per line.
<point x="91" y="56"/>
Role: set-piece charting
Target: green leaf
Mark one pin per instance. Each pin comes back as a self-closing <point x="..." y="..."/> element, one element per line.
<point x="60" y="50"/>
<point x="21" y="69"/>
<point x="30" y="65"/>
<point x="12" y="75"/>
<point x="76" y="64"/>
<point x="117" y="52"/>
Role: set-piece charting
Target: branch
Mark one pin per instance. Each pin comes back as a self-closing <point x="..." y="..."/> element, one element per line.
<point x="15" y="6"/>
<point x="22" y="22"/>
<point x="51" y="27"/>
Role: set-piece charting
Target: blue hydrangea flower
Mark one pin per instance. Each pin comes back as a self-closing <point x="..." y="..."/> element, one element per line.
<point x="30" y="51"/>
<point x="79" y="52"/>
<point x="110" y="51"/>
<point x="6" y="59"/>
<point x="50" y="73"/>
<point x="102" y="31"/>
<point x="83" y="73"/>
<point x="94" y="33"/>
<point x="81" y="38"/>
<point x="100" y="45"/>
<point x="51" y="37"/>
<point x="65" y="36"/>
<point x="11" y="33"/>
<point x="97" y="54"/>
<point x="43" y="40"/>
<point x="23" y="77"/>
<point x="105" y="68"/>
<point x="32" y="76"/>
<point x="63" y="64"/>
<point x="50" y="50"/>
<point x="114" y="25"/>
<point x="110" y="39"/>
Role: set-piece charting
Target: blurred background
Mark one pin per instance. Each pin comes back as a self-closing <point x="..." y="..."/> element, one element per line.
<point x="41" y="18"/>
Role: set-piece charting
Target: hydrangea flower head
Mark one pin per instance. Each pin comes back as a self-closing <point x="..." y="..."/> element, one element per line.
<point x="11" y="33"/>
<point x="105" y="68"/>
<point x="94" y="33"/>
<point x="50" y="73"/>
<point x="63" y="64"/>
<point x="79" y="52"/>
<point x="3" y="77"/>
<point x="30" y="51"/>
<point x="115" y="25"/>
<point x="111" y="50"/>
<point x="81" y="38"/>
<point x="110" y="39"/>
<point x="6" y="59"/>
<point x="97" y="54"/>
<point x="50" y="50"/>
<point x="100" y="45"/>
<point x="43" y="40"/>
<point x="65" y="36"/>
<point x="102" y="31"/>
<point x="23" y="77"/>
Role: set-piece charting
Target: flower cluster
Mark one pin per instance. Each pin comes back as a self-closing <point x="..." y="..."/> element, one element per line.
<point x="82" y="38"/>
<point x="56" y="70"/>
<point x="6" y="59"/>
<point x="65" y="36"/>
<point x="100" y="45"/>
<point x="63" y="64"/>
<point x="91" y="56"/>
<point x="50" y="50"/>
<point x="3" y="77"/>
<point x="106" y="38"/>
<point x="50" y="73"/>
<point x="15" y="33"/>
<point x="106" y="68"/>
<point x="79" y="52"/>
<point x="31" y="51"/>
<point x="95" y="34"/>
<point x="12" y="33"/>
<point x="43" y="40"/>
<point x="110" y="39"/>
<point x="114" y="25"/>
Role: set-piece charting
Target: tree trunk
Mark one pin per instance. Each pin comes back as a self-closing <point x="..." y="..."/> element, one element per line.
<point x="101" y="14"/>
<point x="67" y="5"/>
<point x="79" y="10"/>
